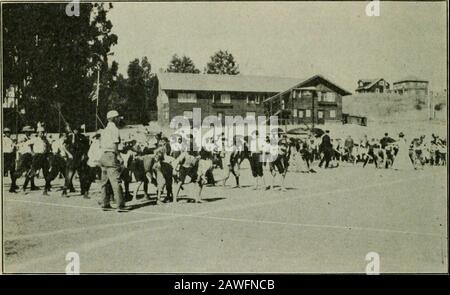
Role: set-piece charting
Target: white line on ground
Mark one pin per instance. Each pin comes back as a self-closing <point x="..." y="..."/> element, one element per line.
<point x="199" y="214"/>
<point x="106" y="241"/>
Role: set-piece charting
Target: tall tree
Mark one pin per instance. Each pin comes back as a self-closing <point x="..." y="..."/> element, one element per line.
<point x="222" y="62"/>
<point x="182" y="64"/>
<point x="140" y="85"/>
<point x="53" y="58"/>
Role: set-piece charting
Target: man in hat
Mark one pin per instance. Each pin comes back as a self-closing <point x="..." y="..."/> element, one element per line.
<point x="187" y="165"/>
<point x="326" y="147"/>
<point x="25" y="156"/>
<point x="77" y="146"/>
<point x="231" y="161"/>
<point x="58" y="157"/>
<point x="348" y="148"/>
<point x="90" y="165"/>
<point x="256" y="159"/>
<point x="282" y="156"/>
<point x="9" y="158"/>
<point x="110" y="162"/>
<point x="39" y="146"/>
<point x="176" y="146"/>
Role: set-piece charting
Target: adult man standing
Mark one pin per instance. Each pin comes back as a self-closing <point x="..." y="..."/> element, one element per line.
<point x="25" y="156"/>
<point x="256" y="159"/>
<point x="40" y="147"/>
<point x="110" y="162"/>
<point x="326" y="148"/>
<point x="348" y="147"/>
<point x="231" y="161"/>
<point x="9" y="158"/>
<point x="77" y="146"/>
<point x="384" y="152"/>
<point x="187" y="165"/>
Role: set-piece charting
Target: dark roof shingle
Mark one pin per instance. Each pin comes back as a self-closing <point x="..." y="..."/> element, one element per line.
<point x="214" y="82"/>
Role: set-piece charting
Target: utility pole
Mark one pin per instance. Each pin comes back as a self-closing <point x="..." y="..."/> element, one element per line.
<point x="16" y="106"/>
<point x="430" y="105"/>
<point x="313" y="117"/>
<point x="97" y="94"/>
<point x="59" y="117"/>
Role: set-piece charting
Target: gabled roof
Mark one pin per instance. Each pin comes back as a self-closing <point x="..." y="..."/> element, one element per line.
<point x="371" y="82"/>
<point x="307" y="82"/>
<point x="231" y="83"/>
<point x="368" y="80"/>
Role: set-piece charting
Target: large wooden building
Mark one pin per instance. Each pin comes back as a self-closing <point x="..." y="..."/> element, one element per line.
<point x="241" y="95"/>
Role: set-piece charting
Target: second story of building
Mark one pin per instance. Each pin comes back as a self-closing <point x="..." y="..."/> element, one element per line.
<point x="316" y="99"/>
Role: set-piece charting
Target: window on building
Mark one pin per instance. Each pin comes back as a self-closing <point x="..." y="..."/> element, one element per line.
<point x="330" y="97"/>
<point x="319" y="96"/>
<point x="225" y="98"/>
<point x="301" y="113"/>
<point x="187" y="114"/>
<point x="294" y="113"/>
<point x="308" y="113"/>
<point x="332" y="113"/>
<point x="253" y="99"/>
<point x="250" y="115"/>
<point x="187" y="97"/>
<point x="320" y="114"/>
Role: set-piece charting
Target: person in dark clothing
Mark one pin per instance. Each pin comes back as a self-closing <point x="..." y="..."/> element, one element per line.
<point x="383" y="153"/>
<point x="372" y="153"/>
<point x="77" y="145"/>
<point x="327" y="149"/>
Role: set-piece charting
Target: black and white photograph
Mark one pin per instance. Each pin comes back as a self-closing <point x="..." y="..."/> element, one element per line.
<point x="224" y="137"/>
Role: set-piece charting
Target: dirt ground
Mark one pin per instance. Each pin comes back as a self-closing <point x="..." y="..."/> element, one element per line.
<point x="325" y="222"/>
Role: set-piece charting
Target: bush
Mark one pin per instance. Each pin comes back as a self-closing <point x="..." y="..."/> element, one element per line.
<point x="439" y="106"/>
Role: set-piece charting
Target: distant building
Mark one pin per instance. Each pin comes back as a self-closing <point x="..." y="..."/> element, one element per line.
<point x="378" y="85"/>
<point x="354" y="119"/>
<point x="411" y="86"/>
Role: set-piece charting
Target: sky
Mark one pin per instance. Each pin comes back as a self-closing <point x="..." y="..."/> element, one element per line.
<point x="291" y="39"/>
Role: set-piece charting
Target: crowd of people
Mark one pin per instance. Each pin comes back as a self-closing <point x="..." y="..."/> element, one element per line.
<point x="171" y="163"/>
